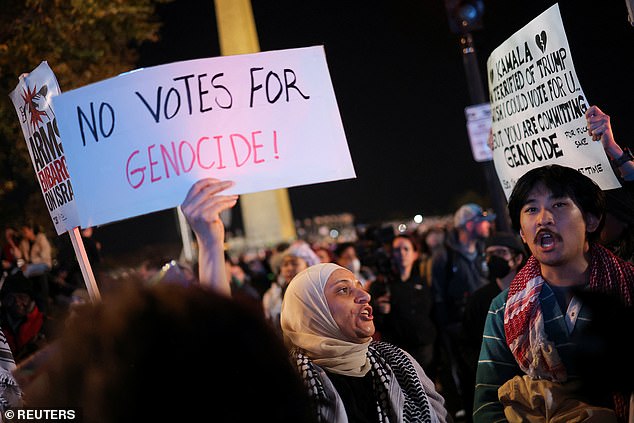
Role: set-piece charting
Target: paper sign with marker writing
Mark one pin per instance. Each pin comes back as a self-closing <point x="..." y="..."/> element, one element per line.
<point x="137" y="142"/>
<point x="32" y="101"/>
<point x="538" y="106"/>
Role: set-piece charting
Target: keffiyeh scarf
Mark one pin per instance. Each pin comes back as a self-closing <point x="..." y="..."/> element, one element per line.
<point x="10" y="392"/>
<point x="523" y="318"/>
<point x="383" y="358"/>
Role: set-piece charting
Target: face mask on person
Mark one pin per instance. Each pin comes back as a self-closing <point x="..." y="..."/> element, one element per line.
<point x="498" y="267"/>
<point x="354" y="266"/>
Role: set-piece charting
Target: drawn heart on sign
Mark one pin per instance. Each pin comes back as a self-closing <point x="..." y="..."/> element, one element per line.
<point x="540" y="40"/>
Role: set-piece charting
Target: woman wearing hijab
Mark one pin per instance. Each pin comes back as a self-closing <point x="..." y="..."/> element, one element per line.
<point x="327" y="322"/>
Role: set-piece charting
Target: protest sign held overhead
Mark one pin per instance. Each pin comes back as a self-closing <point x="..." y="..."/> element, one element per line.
<point x="538" y="106"/>
<point x="32" y="101"/>
<point x="135" y="143"/>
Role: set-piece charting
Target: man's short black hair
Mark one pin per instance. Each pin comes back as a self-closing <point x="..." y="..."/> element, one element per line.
<point x="562" y="181"/>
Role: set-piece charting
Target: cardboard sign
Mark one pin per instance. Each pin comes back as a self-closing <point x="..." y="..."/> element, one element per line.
<point x="137" y="142"/>
<point x="538" y="106"/>
<point x="32" y="101"/>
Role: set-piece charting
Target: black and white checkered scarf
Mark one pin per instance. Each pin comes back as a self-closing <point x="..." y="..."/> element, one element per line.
<point x="383" y="358"/>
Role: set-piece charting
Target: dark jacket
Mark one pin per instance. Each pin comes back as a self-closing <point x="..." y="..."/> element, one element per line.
<point x="455" y="276"/>
<point x="409" y="323"/>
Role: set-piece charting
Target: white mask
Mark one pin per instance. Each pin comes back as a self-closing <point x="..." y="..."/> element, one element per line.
<point x="354" y="266"/>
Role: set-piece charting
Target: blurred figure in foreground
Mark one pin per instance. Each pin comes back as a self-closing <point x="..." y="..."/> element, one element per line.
<point x="143" y="343"/>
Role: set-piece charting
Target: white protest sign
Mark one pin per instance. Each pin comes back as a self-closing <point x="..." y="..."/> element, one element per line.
<point x="479" y="128"/>
<point x="137" y="142"/>
<point x="32" y="101"/>
<point x="538" y="106"/>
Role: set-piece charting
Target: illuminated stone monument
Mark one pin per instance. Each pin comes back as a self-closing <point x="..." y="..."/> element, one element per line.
<point x="266" y="216"/>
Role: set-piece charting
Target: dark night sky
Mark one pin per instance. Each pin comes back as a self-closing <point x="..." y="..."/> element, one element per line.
<point x="400" y="84"/>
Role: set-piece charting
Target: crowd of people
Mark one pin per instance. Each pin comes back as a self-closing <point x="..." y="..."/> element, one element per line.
<point x="461" y="322"/>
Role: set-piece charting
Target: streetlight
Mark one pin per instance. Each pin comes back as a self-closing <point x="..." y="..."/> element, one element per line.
<point x="464" y="17"/>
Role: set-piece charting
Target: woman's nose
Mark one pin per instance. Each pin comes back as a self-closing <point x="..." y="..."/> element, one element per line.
<point x="362" y="296"/>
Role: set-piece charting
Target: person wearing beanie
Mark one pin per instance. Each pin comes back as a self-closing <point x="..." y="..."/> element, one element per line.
<point x="297" y="257"/>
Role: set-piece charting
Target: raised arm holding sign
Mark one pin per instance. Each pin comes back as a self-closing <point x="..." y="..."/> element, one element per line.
<point x="538" y="106"/>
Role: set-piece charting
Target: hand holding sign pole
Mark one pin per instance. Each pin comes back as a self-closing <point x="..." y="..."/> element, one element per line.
<point x="32" y="101"/>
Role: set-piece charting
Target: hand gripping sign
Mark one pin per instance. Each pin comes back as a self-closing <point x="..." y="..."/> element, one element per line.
<point x="538" y="106"/>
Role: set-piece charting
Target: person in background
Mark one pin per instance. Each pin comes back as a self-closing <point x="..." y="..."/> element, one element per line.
<point x="36" y="251"/>
<point x="240" y="283"/>
<point x="505" y="256"/>
<point x="11" y="254"/>
<point x="328" y="324"/>
<point x="25" y="326"/>
<point x="275" y="259"/>
<point x="530" y="339"/>
<point x="403" y="303"/>
<point x="617" y="233"/>
<point x="433" y="240"/>
<point x="458" y="270"/>
<point x="345" y="255"/>
<point x="38" y="263"/>
<point x="324" y="253"/>
<point x="295" y="258"/>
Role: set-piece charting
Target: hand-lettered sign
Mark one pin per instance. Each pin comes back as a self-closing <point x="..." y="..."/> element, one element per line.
<point x="135" y="143"/>
<point x="32" y="101"/>
<point x="538" y="107"/>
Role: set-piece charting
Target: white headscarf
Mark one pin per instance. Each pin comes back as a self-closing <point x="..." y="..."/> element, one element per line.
<point x="308" y="324"/>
